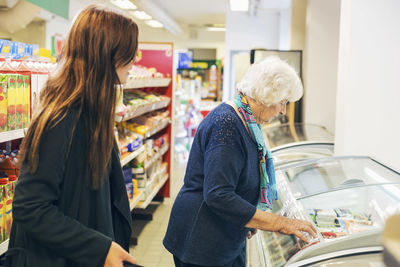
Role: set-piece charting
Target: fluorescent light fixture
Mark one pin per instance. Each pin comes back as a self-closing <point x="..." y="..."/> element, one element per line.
<point x="215" y="29"/>
<point x="124" y="4"/>
<point x="239" y="5"/>
<point x="140" y="15"/>
<point x="154" y="23"/>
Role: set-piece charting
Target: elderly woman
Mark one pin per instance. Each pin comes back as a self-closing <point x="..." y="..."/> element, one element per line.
<point x="230" y="178"/>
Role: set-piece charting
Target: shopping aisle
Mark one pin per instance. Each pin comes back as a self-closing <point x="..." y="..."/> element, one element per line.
<point x="150" y="251"/>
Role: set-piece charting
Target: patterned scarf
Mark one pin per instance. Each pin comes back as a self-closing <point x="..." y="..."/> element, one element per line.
<point x="268" y="191"/>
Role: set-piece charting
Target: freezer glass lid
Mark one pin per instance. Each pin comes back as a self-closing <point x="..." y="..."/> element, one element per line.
<point x="327" y="174"/>
<point x="301" y="152"/>
<point x="291" y="133"/>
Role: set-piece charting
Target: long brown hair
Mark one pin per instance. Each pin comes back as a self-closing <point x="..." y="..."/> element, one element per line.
<point x="100" y="41"/>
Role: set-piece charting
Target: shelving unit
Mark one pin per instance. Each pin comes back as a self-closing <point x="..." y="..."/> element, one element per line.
<point x="136" y="200"/>
<point x="12" y="135"/>
<point x="136" y="112"/>
<point x="145" y="83"/>
<point x="126" y="159"/>
<point x="159" y="127"/>
<point x="4" y="247"/>
<point x="161" y="183"/>
<point x="150" y="162"/>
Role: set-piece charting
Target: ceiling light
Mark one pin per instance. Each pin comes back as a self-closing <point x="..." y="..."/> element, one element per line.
<point x="123" y="4"/>
<point x="215" y="29"/>
<point x="239" y="5"/>
<point x="154" y="23"/>
<point x="141" y="15"/>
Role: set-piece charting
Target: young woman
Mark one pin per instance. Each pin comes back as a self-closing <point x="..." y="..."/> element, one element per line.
<point x="70" y="206"/>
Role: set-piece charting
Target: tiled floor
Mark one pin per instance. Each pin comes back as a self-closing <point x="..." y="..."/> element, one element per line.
<point x="150" y="251"/>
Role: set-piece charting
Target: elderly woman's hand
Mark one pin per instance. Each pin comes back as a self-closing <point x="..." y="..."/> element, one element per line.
<point x="296" y="227"/>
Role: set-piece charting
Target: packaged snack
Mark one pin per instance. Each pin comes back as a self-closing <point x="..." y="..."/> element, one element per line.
<point x="11" y="102"/>
<point x="3" y="182"/>
<point x="5" y="48"/>
<point x="3" y="102"/>
<point x="27" y="100"/>
<point x="20" y="102"/>
<point x="3" y="232"/>
<point x="8" y="197"/>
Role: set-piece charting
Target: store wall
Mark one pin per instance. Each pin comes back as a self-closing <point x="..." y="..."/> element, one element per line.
<point x="285" y="28"/>
<point x="368" y="97"/>
<point x="243" y="33"/>
<point x="34" y="33"/>
<point x="321" y="62"/>
<point x="298" y="24"/>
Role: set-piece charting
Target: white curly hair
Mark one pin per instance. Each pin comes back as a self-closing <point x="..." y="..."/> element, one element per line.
<point x="271" y="81"/>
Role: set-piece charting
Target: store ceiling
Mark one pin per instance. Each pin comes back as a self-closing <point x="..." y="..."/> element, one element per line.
<point x="195" y="12"/>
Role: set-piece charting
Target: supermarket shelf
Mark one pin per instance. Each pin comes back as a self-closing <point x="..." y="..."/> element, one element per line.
<point x="4" y="247"/>
<point x="12" y="135"/>
<point x="126" y="159"/>
<point x="150" y="162"/>
<point x="136" y="200"/>
<point x="144" y="204"/>
<point x="145" y="83"/>
<point x="136" y="112"/>
<point x="155" y="130"/>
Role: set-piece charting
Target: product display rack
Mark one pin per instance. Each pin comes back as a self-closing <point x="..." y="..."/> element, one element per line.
<point x="158" y="55"/>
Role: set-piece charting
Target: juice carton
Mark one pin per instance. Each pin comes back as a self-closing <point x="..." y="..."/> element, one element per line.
<point x="27" y="100"/>
<point x="8" y="198"/>
<point x="12" y="102"/>
<point x="20" y="102"/>
<point x="3" y="183"/>
<point x="3" y="102"/>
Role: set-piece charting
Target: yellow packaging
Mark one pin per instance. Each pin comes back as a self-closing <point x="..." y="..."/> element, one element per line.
<point x="11" y="102"/>
<point x="3" y="233"/>
<point x="8" y="197"/>
<point x="27" y="100"/>
<point x="135" y="188"/>
<point x="20" y="102"/>
<point x="3" y="102"/>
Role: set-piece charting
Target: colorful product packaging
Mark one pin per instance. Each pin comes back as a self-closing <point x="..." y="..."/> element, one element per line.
<point x="8" y="198"/>
<point x="3" y="102"/>
<point x="11" y="102"/>
<point x="5" y="48"/>
<point x="27" y="101"/>
<point x="3" y="233"/>
<point x="20" y="102"/>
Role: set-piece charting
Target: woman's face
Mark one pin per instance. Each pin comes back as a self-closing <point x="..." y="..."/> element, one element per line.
<point x="265" y="114"/>
<point x="123" y="72"/>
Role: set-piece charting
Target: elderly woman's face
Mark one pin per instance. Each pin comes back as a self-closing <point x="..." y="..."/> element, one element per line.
<point x="264" y="114"/>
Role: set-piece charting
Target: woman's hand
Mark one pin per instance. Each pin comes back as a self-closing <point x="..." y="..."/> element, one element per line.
<point x="117" y="255"/>
<point x="296" y="227"/>
<point x="251" y="233"/>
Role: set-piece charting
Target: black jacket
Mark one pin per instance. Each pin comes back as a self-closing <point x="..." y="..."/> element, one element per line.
<point x="59" y="220"/>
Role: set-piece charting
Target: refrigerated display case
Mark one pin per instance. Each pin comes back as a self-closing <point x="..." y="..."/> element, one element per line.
<point x="289" y="134"/>
<point x="347" y="199"/>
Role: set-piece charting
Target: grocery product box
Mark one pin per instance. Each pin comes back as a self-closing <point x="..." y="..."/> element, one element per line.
<point x="12" y="102"/>
<point x="27" y="101"/>
<point x="20" y="102"/>
<point x="3" y="102"/>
